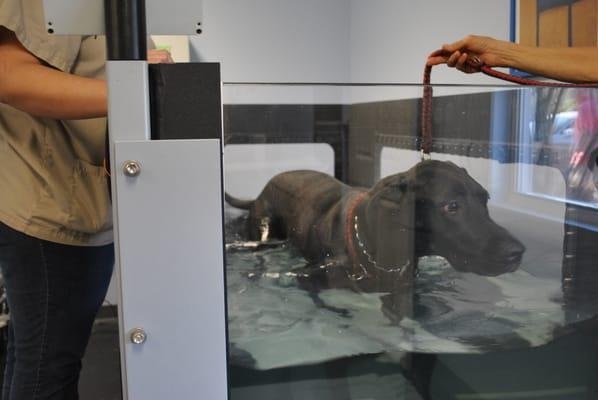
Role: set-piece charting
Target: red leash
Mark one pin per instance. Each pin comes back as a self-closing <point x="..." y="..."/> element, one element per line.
<point x="426" y="114"/>
<point x="530" y="82"/>
<point x="426" y="111"/>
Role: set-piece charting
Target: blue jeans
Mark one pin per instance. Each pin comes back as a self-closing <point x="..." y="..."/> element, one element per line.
<point x="54" y="292"/>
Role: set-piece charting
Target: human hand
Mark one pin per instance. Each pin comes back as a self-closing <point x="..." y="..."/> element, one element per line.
<point x="159" y="57"/>
<point x="471" y="53"/>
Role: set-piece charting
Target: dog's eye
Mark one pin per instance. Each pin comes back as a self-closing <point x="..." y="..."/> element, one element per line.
<point x="450" y="207"/>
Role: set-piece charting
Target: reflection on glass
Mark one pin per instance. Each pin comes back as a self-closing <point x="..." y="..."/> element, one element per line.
<point x="558" y="129"/>
<point x="357" y="270"/>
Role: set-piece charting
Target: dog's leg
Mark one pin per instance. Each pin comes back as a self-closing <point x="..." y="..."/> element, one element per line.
<point x="343" y="312"/>
<point x="262" y="222"/>
<point x="396" y="306"/>
<point x="316" y="276"/>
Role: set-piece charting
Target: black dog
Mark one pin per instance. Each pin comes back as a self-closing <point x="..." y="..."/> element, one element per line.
<point x="368" y="239"/>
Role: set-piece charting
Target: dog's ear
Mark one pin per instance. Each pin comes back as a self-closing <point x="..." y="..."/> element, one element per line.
<point x="396" y="181"/>
<point x="390" y="216"/>
<point x="411" y="181"/>
<point x="404" y="183"/>
<point x="396" y="187"/>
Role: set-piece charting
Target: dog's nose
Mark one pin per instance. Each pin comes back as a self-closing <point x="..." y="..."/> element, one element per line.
<point x="514" y="257"/>
<point x="512" y="252"/>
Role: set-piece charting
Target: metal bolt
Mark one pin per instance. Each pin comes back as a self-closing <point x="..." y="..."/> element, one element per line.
<point x="138" y="336"/>
<point x="132" y="168"/>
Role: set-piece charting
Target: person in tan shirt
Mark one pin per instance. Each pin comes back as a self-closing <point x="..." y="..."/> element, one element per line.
<point x="56" y="250"/>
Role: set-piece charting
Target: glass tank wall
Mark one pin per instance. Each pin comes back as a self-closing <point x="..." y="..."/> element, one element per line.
<point x="358" y="269"/>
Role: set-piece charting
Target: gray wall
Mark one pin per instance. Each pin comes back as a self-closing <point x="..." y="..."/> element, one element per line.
<point x="276" y="40"/>
<point x="390" y="39"/>
<point x="340" y="40"/>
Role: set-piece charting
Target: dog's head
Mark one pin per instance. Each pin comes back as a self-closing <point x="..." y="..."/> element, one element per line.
<point x="444" y="211"/>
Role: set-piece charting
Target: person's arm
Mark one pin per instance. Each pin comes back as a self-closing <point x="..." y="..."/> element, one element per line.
<point x="40" y="90"/>
<point x="569" y="64"/>
<point x="27" y="84"/>
<point x="577" y="65"/>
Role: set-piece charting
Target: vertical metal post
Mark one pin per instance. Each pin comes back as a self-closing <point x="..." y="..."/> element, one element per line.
<point x="127" y="73"/>
<point x="126" y="32"/>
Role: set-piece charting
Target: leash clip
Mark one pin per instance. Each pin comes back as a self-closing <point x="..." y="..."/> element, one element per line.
<point x="425" y="156"/>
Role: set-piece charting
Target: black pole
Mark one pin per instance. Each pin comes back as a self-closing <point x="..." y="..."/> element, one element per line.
<point x="126" y="33"/>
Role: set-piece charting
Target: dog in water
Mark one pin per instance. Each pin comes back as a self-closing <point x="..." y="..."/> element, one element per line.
<point x="369" y="239"/>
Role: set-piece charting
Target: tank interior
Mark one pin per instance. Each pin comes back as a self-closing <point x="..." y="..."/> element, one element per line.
<point x="358" y="268"/>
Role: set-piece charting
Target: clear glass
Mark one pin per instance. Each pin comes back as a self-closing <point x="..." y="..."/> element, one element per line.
<point x="356" y="269"/>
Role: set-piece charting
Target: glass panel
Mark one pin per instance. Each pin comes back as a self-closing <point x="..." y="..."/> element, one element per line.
<point x="357" y="270"/>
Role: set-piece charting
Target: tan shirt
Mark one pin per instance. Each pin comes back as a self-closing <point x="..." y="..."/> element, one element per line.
<point x="52" y="183"/>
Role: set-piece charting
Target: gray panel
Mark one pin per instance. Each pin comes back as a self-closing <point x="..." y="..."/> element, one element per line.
<point x="128" y="100"/>
<point x="172" y="269"/>
<point x="86" y="17"/>
<point x="128" y="103"/>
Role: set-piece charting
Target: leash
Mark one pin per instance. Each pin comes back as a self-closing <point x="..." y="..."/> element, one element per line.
<point x="426" y="111"/>
<point x="530" y="82"/>
<point x="426" y="116"/>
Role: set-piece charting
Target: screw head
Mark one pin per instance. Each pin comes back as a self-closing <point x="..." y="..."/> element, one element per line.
<point x="138" y="336"/>
<point x="132" y="168"/>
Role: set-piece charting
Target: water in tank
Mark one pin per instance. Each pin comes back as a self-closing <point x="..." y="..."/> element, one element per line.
<point x="359" y="268"/>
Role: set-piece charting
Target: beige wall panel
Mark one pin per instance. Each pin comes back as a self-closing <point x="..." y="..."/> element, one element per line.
<point x="527" y="22"/>
<point x="554" y="27"/>
<point x="585" y="23"/>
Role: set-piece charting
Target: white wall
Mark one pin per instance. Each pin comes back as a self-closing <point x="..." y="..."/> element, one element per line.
<point x="341" y="40"/>
<point x="391" y="39"/>
<point x="276" y="40"/>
